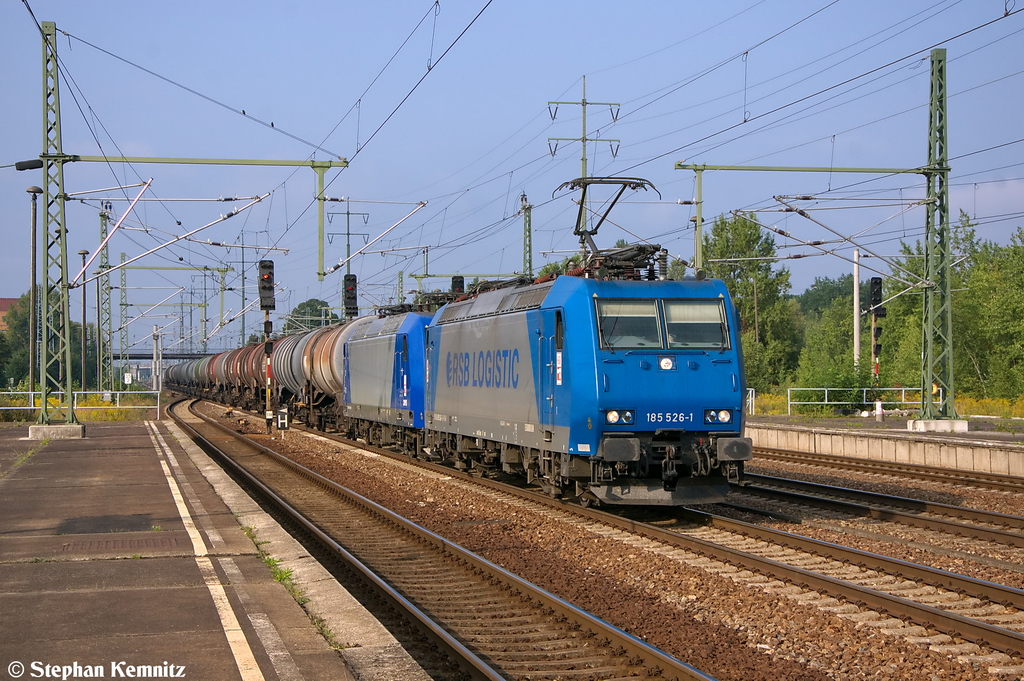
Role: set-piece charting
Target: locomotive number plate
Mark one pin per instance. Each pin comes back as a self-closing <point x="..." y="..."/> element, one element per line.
<point x="670" y="417"/>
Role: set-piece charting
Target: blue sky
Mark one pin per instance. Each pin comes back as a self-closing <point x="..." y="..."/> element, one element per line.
<point x="447" y="103"/>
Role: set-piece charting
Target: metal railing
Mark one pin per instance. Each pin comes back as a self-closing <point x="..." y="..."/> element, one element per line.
<point x="884" y="395"/>
<point x="107" y="399"/>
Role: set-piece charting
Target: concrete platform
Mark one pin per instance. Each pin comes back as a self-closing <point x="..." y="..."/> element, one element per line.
<point x="118" y="555"/>
<point x="938" y="426"/>
<point x="981" y="448"/>
<point x="57" y="431"/>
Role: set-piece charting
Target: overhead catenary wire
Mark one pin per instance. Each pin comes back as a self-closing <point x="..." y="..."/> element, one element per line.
<point x="497" y="237"/>
<point x="821" y="91"/>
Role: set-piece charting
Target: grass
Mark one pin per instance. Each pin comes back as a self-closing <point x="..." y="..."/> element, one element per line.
<point x="284" y="577"/>
<point x="1001" y="408"/>
<point x="91" y="409"/>
<point x="24" y="457"/>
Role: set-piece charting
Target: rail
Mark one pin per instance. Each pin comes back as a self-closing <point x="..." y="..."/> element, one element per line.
<point x="868" y="396"/>
<point x="670" y="667"/>
<point x="949" y="622"/>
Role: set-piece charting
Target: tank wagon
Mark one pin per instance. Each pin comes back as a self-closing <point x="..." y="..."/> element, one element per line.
<point x="610" y="384"/>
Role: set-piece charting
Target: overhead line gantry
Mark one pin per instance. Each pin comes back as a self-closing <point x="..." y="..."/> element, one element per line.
<point x="56" y="398"/>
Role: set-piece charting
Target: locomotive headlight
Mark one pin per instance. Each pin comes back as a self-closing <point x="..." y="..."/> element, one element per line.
<point x="667" y="363"/>
<point x="615" y="416"/>
<point x="717" y="416"/>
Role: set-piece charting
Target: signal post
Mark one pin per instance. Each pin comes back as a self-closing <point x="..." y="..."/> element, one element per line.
<point x="877" y="312"/>
<point x="267" y="303"/>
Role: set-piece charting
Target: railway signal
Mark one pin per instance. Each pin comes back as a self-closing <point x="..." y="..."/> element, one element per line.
<point x="350" y="296"/>
<point x="266" y="284"/>
<point x="875" y="295"/>
<point x="877" y="312"/>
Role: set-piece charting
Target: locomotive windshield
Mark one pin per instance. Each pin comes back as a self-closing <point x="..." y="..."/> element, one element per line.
<point x="675" y="324"/>
<point x="629" y="324"/>
<point x="696" y="325"/>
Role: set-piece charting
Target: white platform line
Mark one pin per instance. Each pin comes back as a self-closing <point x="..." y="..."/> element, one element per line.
<point x="284" y="663"/>
<point x="216" y="541"/>
<point x="240" y="649"/>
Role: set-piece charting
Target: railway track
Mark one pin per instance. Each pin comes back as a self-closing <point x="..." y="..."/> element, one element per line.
<point x="978" y="622"/>
<point x="897" y="591"/>
<point x="904" y="471"/>
<point x="491" y="623"/>
<point x="938" y="605"/>
<point x="797" y="497"/>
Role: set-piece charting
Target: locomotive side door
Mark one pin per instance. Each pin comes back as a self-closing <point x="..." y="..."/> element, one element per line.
<point x="401" y="378"/>
<point x="551" y="343"/>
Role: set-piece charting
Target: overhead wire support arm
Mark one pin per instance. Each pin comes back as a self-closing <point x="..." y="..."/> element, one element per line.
<point x="699" y="168"/>
<point x="330" y="163"/>
<point x="343" y="261"/>
<point x="224" y="245"/>
<point x="176" y="239"/>
<point x="319" y="167"/>
<point x="816" y="245"/>
<point x="75" y="195"/>
<point x="894" y="265"/>
<point x="150" y="309"/>
<point x="110" y="234"/>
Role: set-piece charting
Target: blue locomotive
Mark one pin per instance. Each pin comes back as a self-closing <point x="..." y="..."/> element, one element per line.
<point x="623" y="392"/>
<point x="610" y="384"/>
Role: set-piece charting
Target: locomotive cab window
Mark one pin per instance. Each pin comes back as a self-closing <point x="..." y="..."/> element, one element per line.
<point x="696" y="325"/>
<point x="629" y="324"/>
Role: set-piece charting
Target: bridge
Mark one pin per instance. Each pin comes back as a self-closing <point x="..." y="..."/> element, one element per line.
<point x="141" y="355"/>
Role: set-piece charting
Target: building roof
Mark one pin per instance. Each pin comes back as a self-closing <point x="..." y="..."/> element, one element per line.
<point x="6" y="303"/>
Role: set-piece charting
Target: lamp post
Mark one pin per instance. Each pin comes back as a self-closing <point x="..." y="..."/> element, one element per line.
<point x="35" y="192"/>
<point x="84" y="255"/>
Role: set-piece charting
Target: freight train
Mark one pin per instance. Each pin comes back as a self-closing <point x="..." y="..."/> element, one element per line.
<point x="610" y="384"/>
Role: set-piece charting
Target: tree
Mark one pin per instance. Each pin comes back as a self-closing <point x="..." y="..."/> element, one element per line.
<point x="5" y="353"/>
<point x="17" y="354"/>
<point x="739" y="253"/>
<point x="820" y="295"/>
<point x="559" y="267"/>
<point x="988" y="316"/>
<point x="16" y="337"/>
<point x="309" y="315"/>
<point x="826" y="360"/>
